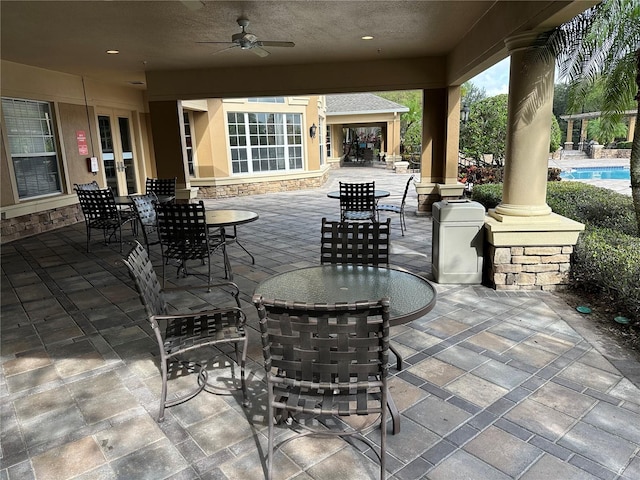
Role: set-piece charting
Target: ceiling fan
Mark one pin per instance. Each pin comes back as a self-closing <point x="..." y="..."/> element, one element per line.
<point x="248" y="41"/>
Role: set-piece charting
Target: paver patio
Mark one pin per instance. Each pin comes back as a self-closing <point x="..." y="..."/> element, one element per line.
<point x="497" y="385"/>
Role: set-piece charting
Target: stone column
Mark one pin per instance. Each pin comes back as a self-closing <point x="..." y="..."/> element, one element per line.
<point x="583" y="133"/>
<point x="528" y="245"/>
<point x="568" y="144"/>
<point x="632" y="128"/>
<point x="170" y="151"/>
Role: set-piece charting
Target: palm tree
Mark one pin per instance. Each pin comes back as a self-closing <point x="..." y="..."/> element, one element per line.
<point x="603" y="43"/>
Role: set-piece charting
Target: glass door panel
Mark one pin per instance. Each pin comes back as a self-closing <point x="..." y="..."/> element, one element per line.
<point x="127" y="155"/>
<point x="117" y="154"/>
<point x="108" y="152"/>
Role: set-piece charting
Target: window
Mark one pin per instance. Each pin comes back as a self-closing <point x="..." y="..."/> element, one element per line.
<point x="265" y="142"/>
<point x="266" y="100"/>
<point x="188" y="141"/>
<point x="328" y="141"/>
<point x="32" y="144"/>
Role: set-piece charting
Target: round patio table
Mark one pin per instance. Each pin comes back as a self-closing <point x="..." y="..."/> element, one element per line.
<point x="410" y="296"/>
<point x="376" y="193"/>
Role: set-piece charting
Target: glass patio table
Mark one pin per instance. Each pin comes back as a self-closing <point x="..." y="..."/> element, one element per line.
<point x="230" y="218"/>
<point x="378" y="194"/>
<point x="410" y="296"/>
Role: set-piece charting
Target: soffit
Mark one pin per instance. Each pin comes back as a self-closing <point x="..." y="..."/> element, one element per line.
<point x="152" y="36"/>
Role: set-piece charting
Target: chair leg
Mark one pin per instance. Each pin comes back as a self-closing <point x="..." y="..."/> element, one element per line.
<point x="163" y="393"/>
<point x="242" y="362"/>
<point x="383" y="433"/>
<point x="88" y="237"/>
<point x="270" y="414"/>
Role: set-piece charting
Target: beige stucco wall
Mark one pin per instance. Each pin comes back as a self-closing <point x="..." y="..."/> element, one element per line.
<point x="213" y="165"/>
<point x="71" y="113"/>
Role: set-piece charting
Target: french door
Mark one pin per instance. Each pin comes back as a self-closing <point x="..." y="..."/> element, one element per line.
<point x="118" y="153"/>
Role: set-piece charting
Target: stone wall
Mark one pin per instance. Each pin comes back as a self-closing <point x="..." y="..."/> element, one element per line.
<point x="34" y="223"/>
<point x="257" y="188"/>
<point x="598" y="151"/>
<point x="528" y="268"/>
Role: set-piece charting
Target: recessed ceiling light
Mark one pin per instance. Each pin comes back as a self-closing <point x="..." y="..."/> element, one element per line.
<point x="367" y="37"/>
<point x="136" y="82"/>
<point x="113" y="51"/>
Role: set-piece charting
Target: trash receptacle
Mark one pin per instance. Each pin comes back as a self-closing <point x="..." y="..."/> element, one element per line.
<point x="458" y="237"/>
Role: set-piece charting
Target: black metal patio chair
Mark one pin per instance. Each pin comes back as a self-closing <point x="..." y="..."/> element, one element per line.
<point x="399" y="209"/>
<point x="184" y="236"/>
<point x="145" y="208"/>
<point x="357" y="201"/>
<point x="188" y="331"/>
<point x="161" y="187"/>
<point x="355" y="243"/>
<point x="325" y="360"/>
<point x="86" y="186"/>
<point x="101" y="213"/>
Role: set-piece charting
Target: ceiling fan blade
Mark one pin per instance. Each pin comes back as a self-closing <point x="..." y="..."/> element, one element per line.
<point x="224" y="49"/>
<point x="224" y="43"/>
<point x="261" y="52"/>
<point x="267" y="43"/>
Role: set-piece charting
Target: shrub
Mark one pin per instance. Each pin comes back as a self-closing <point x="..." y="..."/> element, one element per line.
<point x="480" y="175"/>
<point x="607" y="261"/>
<point x="591" y="205"/>
<point x="553" y="174"/>
<point x="489" y="195"/>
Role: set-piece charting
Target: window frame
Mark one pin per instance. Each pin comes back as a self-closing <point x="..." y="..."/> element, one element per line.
<point x="56" y="155"/>
<point x="265" y="142"/>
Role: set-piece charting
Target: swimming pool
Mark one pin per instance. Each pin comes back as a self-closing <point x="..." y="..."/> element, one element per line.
<point x="597" y="173"/>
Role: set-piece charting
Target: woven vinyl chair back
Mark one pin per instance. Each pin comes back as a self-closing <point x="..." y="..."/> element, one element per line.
<point x="161" y="186"/>
<point x="98" y="204"/>
<point x="86" y="186"/>
<point x="319" y="346"/>
<point x="183" y="226"/>
<point x="144" y="206"/>
<point x="406" y="190"/>
<point x="144" y="276"/>
<point x="357" y="197"/>
<point x="355" y="243"/>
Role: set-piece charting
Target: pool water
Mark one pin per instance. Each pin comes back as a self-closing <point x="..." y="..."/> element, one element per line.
<point x="597" y="173"/>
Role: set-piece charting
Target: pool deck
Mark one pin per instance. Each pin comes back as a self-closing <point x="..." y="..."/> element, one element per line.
<point x="620" y="186"/>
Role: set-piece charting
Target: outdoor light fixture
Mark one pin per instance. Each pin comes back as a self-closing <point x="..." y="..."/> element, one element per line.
<point x="312" y="130"/>
<point x="113" y="51"/>
<point x="464" y="114"/>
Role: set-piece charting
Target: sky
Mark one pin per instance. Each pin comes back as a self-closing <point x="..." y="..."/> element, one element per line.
<point x="494" y="80"/>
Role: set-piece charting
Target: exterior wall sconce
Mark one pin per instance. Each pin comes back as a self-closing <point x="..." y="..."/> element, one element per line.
<point x="312" y="130"/>
<point x="464" y="114"/>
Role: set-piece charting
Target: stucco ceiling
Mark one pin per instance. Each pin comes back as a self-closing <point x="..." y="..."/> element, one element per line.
<point x="73" y="36"/>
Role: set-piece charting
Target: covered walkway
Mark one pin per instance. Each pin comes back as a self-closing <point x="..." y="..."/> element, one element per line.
<point x="497" y="385"/>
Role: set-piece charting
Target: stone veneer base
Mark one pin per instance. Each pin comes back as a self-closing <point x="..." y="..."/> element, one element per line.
<point x="257" y="188"/>
<point x="528" y="268"/>
<point x="31" y="224"/>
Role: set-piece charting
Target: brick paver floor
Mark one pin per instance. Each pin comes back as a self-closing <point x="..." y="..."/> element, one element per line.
<point x="497" y="385"/>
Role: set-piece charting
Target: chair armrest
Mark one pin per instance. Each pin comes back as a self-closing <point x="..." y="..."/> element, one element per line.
<point x="232" y="285"/>
<point x="242" y="316"/>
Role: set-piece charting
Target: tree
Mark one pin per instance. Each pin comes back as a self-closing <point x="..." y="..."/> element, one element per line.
<point x="410" y="122"/>
<point x="471" y="93"/>
<point x="603" y="45"/>
<point x="486" y="130"/>
<point x="605" y="136"/>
